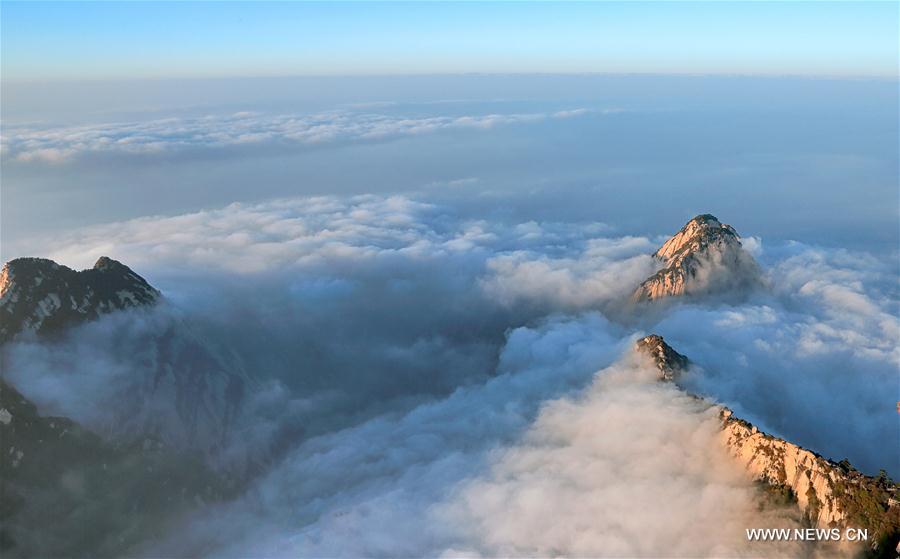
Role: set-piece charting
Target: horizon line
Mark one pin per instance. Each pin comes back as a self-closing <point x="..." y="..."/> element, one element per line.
<point x="895" y="77"/>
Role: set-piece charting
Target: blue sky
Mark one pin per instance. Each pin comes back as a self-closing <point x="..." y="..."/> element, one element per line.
<point x="45" y="41"/>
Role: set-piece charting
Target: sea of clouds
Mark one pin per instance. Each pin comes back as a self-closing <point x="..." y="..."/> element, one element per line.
<point x="241" y="130"/>
<point x="425" y="383"/>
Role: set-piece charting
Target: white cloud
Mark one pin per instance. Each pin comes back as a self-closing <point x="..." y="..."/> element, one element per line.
<point x="814" y="361"/>
<point x="628" y="466"/>
<point x="172" y="135"/>
<point x="823" y="336"/>
<point x="606" y="270"/>
<point x="403" y="352"/>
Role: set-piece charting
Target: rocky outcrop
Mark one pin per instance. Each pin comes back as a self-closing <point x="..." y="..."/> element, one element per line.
<point x="669" y="362"/>
<point x="42" y="296"/>
<point x="704" y="258"/>
<point x="829" y="494"/>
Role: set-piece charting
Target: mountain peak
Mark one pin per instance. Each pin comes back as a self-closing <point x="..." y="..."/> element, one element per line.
<point x="39" y="295"/>
<point x="669" y="362"/>
<point x="697" y="234"/>
<point x="703" y="257"/>
<point x="106" y="263"/>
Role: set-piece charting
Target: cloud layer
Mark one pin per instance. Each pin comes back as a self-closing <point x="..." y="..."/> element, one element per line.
<point x="426" y="383"/>
<point x="423" y="283"/>
<point x="337" y="309"/>
<point x="626" y="467"/>
<point x="629" y="467"/>
<point x="815" y="361"/>
<point x="243" y="129"/>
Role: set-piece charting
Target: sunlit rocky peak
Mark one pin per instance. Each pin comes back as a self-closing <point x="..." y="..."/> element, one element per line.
<point x="669" y="362"/>
<point x="705" y="257"/>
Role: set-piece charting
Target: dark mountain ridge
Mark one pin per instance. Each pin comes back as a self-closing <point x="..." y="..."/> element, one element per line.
<point x="39" y="295"/>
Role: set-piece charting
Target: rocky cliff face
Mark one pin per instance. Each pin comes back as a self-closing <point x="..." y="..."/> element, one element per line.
<point x="829" y="494"/>
<point x="704" y="257"/>
<point x="41" y="296"/>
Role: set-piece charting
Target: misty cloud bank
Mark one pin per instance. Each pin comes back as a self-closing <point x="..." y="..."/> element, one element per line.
<point x="823" y="344"/>
<point x="423" y="383"/>
<point x="345" y="308"/>
<point x="173" y="147"/>
<point x="242" y="129"/>
<point x="628" y="466"/>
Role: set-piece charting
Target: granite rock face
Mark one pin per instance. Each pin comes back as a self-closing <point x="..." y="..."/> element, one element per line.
<point x="829" y="494"/>
<point x="44" y="297"/>
<point x="704" y="258"/>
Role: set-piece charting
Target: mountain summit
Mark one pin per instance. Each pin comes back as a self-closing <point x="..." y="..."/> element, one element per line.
<point x="669" y="362"/>
<point x="39" y="295"/>
<point x="704" y="257"/>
